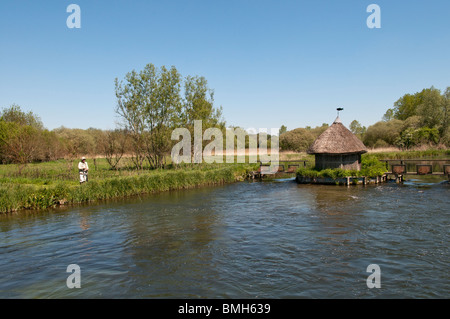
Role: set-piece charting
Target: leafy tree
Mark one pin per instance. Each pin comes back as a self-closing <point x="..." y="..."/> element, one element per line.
<point x="406" y="106"/>
<point x="411" y="137"/>
<point x="413" y="122"/>
<point x="198" y="104"/>
<point x="22" y="137"/>
<point x="357" y="129"/>
<point x="14" y="114"/>
<point x="431" y="108"/>
<point x="283" y="129"/>
<point x="18" y="143"/>
<point x="300" y="139"/>
<point x="425" y="109"/>
<point x="76" y="142"/>
<point x="51" y="145"/>
<point x="388" y="132"/>
<point x="389" y="115"/>
<point x="429" y="104"/>
<point x="150" y="105"/>
<point x="445" y="111"/>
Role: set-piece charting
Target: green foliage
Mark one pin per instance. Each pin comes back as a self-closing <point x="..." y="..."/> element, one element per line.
<point x="388" y="132"/>
<point x="150" y="104"/>
<point x="76" y="142"/>
<point x="370" y="167"/>
<point x="428" y="154"/>
<point x="411" y="137"/>
<point x="14" y="114"/>
<point x="198" y="104"/>
<point x="283" y="129"/>
<point x="22" y="193"/>
<point x="380" y="144"/>
<point x="416" y="119"/>
<point x="406" y="106"/>
<point x="300" y="139"/>
<point x="334" y="173"/>
<point x="357" y="129"/>
<point x="23" y="138"/>
<point x="389" y="115"/>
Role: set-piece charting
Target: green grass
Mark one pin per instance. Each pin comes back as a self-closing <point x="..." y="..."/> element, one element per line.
<point x="43" y="185"/>
<point x="428" y="154"/>
<point x="49" y="184"/>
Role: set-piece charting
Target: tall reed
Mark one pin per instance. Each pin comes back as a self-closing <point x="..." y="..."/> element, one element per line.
<point x="18" y="196"/>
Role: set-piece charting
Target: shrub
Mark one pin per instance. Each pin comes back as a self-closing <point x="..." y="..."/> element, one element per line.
<point x="370" y="167"/>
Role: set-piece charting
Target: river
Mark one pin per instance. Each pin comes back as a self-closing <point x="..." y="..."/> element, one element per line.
<point x="244" y="240"/>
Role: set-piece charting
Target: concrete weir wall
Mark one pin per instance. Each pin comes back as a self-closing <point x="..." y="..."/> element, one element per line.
<point x="340" y="181"/>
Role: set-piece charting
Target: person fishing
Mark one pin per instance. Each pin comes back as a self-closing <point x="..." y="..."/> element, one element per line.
<point x="83" y="168"/>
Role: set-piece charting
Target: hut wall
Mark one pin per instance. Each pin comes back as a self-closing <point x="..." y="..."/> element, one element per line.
<point x="344" y="161"/>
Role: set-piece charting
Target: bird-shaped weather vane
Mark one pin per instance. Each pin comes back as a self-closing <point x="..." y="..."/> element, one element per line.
<point x="339" y="109"/>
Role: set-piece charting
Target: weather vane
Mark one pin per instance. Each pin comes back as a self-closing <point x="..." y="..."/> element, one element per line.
<point x="339" y="109"/>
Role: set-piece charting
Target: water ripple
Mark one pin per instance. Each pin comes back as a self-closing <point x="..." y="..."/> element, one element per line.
<point x="245" y="240"/>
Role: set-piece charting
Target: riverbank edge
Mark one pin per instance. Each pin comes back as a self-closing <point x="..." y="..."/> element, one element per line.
<point x="350" y="180"/>
<point x="28" y="197"/>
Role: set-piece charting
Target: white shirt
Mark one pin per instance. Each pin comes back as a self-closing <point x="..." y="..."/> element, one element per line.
<point x="83" y="166"/>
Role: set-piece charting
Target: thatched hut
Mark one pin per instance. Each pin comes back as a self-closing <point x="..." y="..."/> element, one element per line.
<point x="337" y="147"/>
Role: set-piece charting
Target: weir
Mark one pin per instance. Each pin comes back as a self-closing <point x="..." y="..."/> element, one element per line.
<point x="403" y="167"/>
<point x="396" y="169"/>
<point x="283" y="167"/>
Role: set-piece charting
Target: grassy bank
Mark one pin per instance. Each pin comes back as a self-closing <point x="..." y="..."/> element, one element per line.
<point x="51" y="184"/>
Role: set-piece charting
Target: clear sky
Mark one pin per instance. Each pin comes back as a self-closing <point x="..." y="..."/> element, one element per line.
<point x="269" y="62"/>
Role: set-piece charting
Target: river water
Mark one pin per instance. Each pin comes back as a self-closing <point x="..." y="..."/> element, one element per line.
<point x="244" y="240"/>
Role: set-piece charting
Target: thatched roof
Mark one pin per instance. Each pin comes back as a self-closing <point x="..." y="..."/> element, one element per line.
<point x="337" y="139"/>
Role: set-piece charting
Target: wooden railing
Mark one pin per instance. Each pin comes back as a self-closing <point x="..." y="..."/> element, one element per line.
<point x="423" y="166"/>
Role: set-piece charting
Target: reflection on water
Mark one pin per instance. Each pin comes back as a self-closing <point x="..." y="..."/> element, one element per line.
<point x="246" y="240"/>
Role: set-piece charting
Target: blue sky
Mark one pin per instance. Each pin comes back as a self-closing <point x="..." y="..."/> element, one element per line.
<point x="269" y="62"/>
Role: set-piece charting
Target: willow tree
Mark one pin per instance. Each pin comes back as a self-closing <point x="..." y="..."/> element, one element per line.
<point x="149" y="104"/>
<point x="198" y="105"/>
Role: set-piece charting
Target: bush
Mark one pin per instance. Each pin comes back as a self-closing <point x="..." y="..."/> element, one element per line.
<point x="388" y="132"/>
<point x="370" y="167"/>
<point x="380" y="144"/>
<point x="300" y="139"/>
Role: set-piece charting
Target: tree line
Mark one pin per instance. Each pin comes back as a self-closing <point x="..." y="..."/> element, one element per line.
<point x="24" y="139"/>
<point x="152" y="102"/>
<point x="415" y="119"/>
<point x="419" y="119"/>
